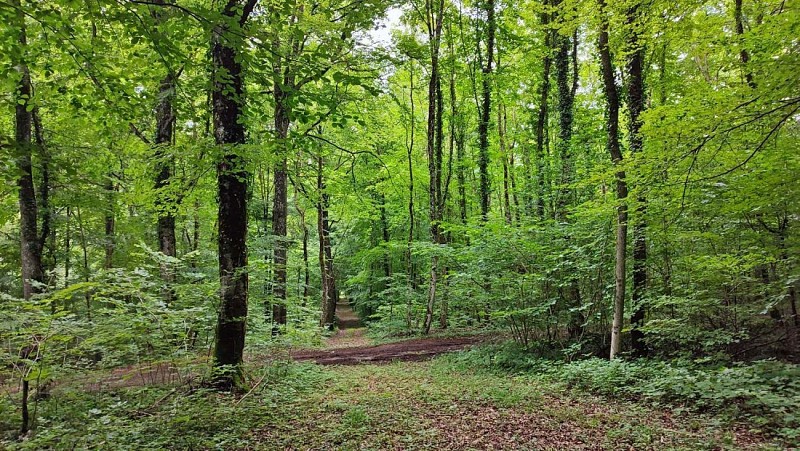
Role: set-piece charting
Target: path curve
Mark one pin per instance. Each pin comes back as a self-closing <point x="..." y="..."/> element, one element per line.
<point x="409" y="350"/>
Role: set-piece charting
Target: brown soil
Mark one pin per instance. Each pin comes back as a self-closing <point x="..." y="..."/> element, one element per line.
<point x="410" y="350"/>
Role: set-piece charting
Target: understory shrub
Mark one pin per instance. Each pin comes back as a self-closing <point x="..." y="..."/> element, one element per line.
<point x="765" y="393"/>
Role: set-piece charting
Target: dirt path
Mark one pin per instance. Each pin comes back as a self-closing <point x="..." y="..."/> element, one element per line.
<point x="410" y="350"/>
<point x="350" y="345"/>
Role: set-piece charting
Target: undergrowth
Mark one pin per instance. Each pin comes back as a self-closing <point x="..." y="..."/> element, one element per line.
<point x="764" y="394"/>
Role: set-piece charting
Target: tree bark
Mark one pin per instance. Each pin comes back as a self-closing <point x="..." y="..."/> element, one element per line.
<point x="30" y="249"/>
<point x="486" y="111"/>
<point x="566" y="104"/>
<point x="613" y="145"/>
<point x="164" y="161"/>
<point x="329" y="297"/>
<point x="542" y="115"/>
<point x="227" y="100"/>
<point x="279" y="232"/>
<point x="165" y="130"/>
<point x="435" y="14"/>
<point x="109" y="220"/>
<point x="744" y="56"/>
<point x="636" y="101"/>
<point x="501" y="131"/>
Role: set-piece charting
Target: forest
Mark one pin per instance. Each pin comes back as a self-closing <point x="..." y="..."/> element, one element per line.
<point x="399" y="224"/>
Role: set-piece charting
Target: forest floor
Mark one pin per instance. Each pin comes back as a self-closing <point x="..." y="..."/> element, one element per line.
<point x="410" y="401"/>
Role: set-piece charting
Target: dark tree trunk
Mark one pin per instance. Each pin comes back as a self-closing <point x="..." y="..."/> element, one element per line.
<point x="46" y="213"/>
<point x="279" y="213"/>
<point x="613" y="145"/>
<point x="227" y="100"/>
<point x="566" y="104"/>
<point x="744" y="56"/>
<point x="329" y="296"/>
<point x="566" y="83"/>
<point x="435" y="15"/>
<point x="165" y="130"/>
<point x="109" y="220"/>
<point x="541" y="117"/>
<point x="486" y="111"/>
<point x="31" y="251"/>
<point x="636" y="100"/>
<point x="501" y="132"/>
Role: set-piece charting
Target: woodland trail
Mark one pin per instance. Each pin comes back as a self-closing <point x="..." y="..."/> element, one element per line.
<point x="349" y="346"/>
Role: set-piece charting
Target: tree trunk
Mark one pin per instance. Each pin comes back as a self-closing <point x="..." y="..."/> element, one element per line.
<point x="109" y="220"/>
<point x="541" y="117"/>
<point x="227" y="106"/>
<point x="280" y="213"/>
<point x="636" y="100"/>
<point x="165" y="126"/>
<point x="164" y="161"/>
<point x="31" y="251"/>
<point x="411" y="219"/>
<point x="486" y="111"/>
<point x="46" y="213"/>
<point x="329" y="297"/>
<point x="566" y="103"/>
<point x="501" y="131"/>
<point x="612" y="143"/>
<point x="435" y="16"/>
<point x="744" y="56"/>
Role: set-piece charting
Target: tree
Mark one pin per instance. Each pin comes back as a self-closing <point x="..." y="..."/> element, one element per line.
<point x="612" y="143"/>
<point x="486" y="107"/>
<point x="227" y="100"/>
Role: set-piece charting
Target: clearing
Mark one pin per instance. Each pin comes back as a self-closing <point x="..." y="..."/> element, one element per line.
<point x="408" y="402"/>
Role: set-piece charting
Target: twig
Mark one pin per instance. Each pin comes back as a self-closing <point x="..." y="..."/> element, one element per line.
<point x="251" y="390"/>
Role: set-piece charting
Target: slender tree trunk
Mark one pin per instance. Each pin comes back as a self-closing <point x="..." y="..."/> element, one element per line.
<point x="542" y="115"/>
<point x="501" y="131"/>
<point x="109" y="220"/>
<point x="744" y="56"/>
<point x="306" y="274"/>
<point x="636" y="102"/>
<point x="165" y="126"/>
<point x="566" y="104"/>
<point x="411" y="220"/>
<point x="30" y="248"/>
<point x="613" y="145"/>
<point x="67" y="246"/>
<point x="164" y="161"/>
<point x="435" y="16"/>
<point x="46" y="213"/>
<point x="31" y="252"/>
<point x="280" y="212"/>
<point x="227" y="100"/>
<point x="486" y="111"/>
<point x="329" y="297"/>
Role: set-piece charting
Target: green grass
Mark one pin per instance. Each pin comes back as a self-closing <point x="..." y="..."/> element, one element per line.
<point x="423" y="405"/>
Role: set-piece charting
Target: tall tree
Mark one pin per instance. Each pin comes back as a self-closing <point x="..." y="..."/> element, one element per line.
<point x="31" y="251"/>
<point x="328" y="281"/>
<point x="613" y="145"/>
<point x="486" y="108"/>
<point x="164" y="160"/>
<point x="636" y="102"/>
<point x="434" y="16"/>
<point x="227" y="103"/>
<point x="542" y="111"/>
<point x="566" y="109"/>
